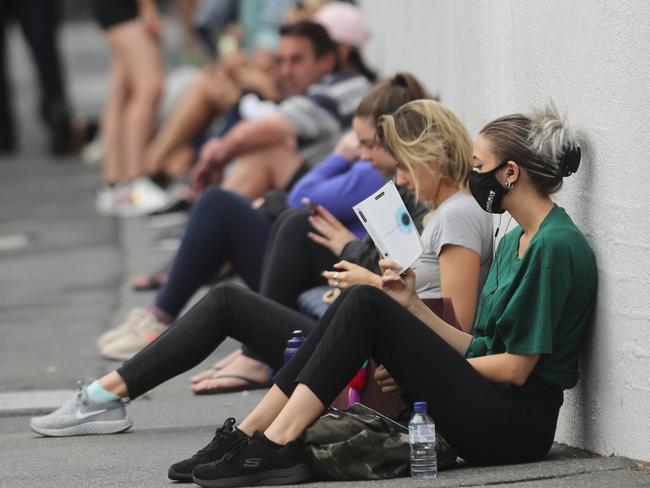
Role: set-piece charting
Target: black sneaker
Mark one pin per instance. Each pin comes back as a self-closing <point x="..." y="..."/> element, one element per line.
<point x="255" y="461"/>
<point x="224" y="439"/>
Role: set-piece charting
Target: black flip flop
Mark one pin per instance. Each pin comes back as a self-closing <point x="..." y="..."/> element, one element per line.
<point x="249" y="385"/>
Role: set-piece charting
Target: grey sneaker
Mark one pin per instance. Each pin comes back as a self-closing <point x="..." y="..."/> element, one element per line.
<point x="78" y="416"/>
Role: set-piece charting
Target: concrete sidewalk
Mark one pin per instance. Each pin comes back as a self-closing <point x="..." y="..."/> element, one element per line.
<point x="64" y="278"/>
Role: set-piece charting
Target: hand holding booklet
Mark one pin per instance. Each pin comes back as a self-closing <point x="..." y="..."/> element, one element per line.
<point x="390" y="226"/>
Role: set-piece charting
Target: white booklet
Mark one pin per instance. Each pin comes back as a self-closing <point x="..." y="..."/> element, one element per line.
<point x="390" y="226"/>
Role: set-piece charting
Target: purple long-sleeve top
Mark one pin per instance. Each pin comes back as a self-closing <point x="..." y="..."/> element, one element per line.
<point x="337" y="185"/>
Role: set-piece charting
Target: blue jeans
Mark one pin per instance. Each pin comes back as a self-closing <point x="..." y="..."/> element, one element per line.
<point x="222" y="227"/>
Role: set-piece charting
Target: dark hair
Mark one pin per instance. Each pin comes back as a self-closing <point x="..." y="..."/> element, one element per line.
<point x="389" y="95"/>
<point x="320" y="40"/>
<point x="542" y="143"/>
<point x="358" y="63"/>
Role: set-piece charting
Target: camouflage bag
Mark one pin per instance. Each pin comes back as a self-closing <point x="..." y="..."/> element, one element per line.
<point x="357" y="444"/>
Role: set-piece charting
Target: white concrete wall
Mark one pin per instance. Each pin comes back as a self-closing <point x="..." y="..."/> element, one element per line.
<point x="488" y="58"/>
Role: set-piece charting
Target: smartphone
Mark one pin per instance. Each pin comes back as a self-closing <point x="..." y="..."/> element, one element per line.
<point x="313" y="208"/>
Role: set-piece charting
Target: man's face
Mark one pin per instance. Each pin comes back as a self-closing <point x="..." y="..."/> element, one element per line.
<point x="299" y="67"/>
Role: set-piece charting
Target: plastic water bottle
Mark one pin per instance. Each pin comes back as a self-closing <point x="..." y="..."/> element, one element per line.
<point x="422" y="437"/>
<point x="293" y="344"/>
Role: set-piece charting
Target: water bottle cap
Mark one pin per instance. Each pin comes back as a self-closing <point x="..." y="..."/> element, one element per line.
<point x="419" y="407"/>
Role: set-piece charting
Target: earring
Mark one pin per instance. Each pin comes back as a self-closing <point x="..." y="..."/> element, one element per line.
<point x="509" y="185"/>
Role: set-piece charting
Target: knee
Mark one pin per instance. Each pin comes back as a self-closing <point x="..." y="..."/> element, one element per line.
<point x="213" y="199"/>
<point x="221" y="294"/>
<point x="294" y="218"/>
<point x="362" y="296"/>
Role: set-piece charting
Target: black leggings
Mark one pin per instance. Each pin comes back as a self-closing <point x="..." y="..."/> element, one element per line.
<point x="293" y="262"/>
<point x="487" y="423"/>
<point x="226" y="311"/>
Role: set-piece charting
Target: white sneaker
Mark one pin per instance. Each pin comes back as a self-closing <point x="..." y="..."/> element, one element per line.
<point x="111" y="200"/>
<point x="147" y="197"/>
<point x="134" y="338"/>
<point x="134" y="317"/>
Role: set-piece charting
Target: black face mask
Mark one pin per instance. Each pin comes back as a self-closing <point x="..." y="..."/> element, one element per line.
<point x="487" y="190"/>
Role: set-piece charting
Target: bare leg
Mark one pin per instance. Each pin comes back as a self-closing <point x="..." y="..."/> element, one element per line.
<point x="189" y="116"/>
<point x="265" y="412"/>
<point x="114" y="383"/>
<point x="259" y="171"/>
<point x="179" y="162"/>
<point x="302" y="409"/>
<point x="111" y="126"/>
<point x="141" y="56"/>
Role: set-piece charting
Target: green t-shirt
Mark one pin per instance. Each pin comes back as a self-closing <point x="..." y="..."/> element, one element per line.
<point x="541" y="303"/>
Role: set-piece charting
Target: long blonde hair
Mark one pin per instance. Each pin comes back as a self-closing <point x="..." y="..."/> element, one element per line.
<point x="423" y="131"/>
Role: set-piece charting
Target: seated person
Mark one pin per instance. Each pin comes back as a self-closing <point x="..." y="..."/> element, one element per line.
<point x="247" y="85"/>
<point x="248" y="317"/>
<point x="457" y="237"/>
<point x="224" y="227"/>
<point x="267" y="152"/>
<point x="532" y="317"/>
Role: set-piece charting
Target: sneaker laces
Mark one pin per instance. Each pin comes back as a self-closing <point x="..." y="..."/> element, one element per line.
<point x="72" y="404"/>
<point x="222" y="433"/>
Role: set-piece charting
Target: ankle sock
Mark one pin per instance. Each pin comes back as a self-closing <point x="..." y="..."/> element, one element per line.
<point x="97" y="394"/>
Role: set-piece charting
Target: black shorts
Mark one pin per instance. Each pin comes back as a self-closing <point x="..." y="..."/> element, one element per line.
<point x="112" y="12"/>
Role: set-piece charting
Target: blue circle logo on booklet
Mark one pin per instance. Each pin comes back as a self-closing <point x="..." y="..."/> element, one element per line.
<point x="404" y="222"/>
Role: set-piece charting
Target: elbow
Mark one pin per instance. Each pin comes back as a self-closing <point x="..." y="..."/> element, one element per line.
<point x="519" y="375"/>
<point x="519" y="379"/>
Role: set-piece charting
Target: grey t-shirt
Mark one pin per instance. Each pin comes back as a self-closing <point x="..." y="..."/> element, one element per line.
<point x="457" y="221"/>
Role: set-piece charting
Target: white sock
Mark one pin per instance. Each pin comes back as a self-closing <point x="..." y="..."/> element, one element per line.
<point x="98" y="395"/>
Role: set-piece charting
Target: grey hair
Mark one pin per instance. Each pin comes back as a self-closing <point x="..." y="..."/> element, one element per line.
<point x="551" y="136"/>
<point x="543" y="143"/>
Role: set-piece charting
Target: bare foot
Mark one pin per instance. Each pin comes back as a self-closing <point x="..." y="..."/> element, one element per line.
<point x="228" y="359"/>
<point x="209" y="373"/>
<point x="241" y="366"/>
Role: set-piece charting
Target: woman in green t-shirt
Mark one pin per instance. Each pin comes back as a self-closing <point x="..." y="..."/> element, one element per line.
<point x="495" y="394"/>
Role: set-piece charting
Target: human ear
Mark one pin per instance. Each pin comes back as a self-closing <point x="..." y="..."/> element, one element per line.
<point x="512" y="173"/>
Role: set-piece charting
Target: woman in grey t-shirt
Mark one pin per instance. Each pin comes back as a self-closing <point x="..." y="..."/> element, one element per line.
<point x="434" y="160"/>
<point x="433" y="150"/>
